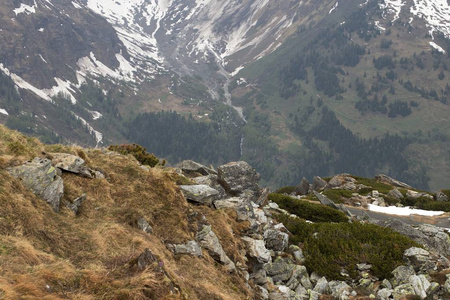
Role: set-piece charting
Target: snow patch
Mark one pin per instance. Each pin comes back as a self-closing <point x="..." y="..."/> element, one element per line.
<point x="403" y="211"/>
<point x="95" y="114"/>
<point x="96" y="134"/>
<point x="41" y="29"/>
<point x="27" y="9"/>
<point x="333" y="8"/>
<point x="62" y="87"/>
<point x="437" y="47"/>
<point x="435" y="12"/>
<point x="4" y="112"/>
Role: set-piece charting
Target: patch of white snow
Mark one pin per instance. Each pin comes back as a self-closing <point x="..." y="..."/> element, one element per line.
<point x="403" y="211"/>
<point x="4" y="112"/>
<point x="24" y="8"/>
<point x="437" y="47"/>
<point x="333" y="8"/>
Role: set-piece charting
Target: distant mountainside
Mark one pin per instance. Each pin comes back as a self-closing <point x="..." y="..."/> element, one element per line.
<point x="285" y="84"/>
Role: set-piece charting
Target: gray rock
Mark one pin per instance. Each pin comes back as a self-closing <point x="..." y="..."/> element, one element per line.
<point x="402" y="274"/>
<point x="276" y="240"/>
<point x="76" y="204"/>
<point x="363" y="267"/>
<point x="420" y="284"/>
<point x="41" y="177"/>
<point x="386" y="284"/>
<point x="236" y="177"/>
<point x="339" y="180"/>
<point x="325" y="200"/>
<point x="201" y="194"/>
<point x="391" y="181"/>
<point x="67" y="162"/>
<point x="302" y="188"/>
<point x="318" y="183"/>
<point x="315" y="277"/>
<point x="189" y="167"/>
<point x="259" y="277"/>
<point x="447" y="285"/>
<point x="302" y="293"/>
<point x="313" y="295"/>
<point x="322" y="286"/>
<point x="145" y="259"/>
<point x="208" y="240"/>
<point x="213" y="182"/>
<point x="340" y="290"/>
<point x="403" y="290"/>
<point x="279" y="270"/>
<point x="299" y="256"/>
<point x="232" y="203"/>
<point x="143" y="225"/>
<point x="263" y="197"/>
<point x="262" y="293"/>
<point x="420" y="259"/>
<point x="395" y="193"/>
<point x="440" y="196"/>
<point x="191" y="248"/>
<point x="384" y="294"/>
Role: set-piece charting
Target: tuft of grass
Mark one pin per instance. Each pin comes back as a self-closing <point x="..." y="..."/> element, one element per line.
<point x="308" y="211"/>
<point x="330" y="247"/>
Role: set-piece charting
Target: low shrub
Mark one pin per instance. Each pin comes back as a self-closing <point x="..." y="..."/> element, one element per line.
<point x="285" y="190"/>
<point x="427" y="204"/>
<point x="330" y="247"/>
<point x="446" y="192"/>
<point x="375" y="185"/>
<point x="336" y="195"/>
<point x="308" y="211"/>
<point x="139" y="152"/>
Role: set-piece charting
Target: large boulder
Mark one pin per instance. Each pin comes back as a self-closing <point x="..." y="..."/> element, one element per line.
<point x="42" y="178"/>
<point x="257" y="249"/>
<point x="318" y="183"/>
<point x="67" y="162"/>
<point x="280" y="270"/>
<point x="208" y="240"/>
<point x="343" y="181"/>
<point x="420" y="285"/>
<point x="302" y="188"/>
<point x="237" y="177"/>
<point x="402" y="274"/>
<point x="201" y="194"/>
<point x="190" y="167"/>
<point x="395" y="193"/>
<point x="420" y="259"/>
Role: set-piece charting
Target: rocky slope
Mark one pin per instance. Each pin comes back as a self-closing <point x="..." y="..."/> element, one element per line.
<point x="83" y="223"/>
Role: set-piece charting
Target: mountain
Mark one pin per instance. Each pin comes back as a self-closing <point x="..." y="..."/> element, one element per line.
<point x="115" y="223"/>
<point x="286" y="85"/>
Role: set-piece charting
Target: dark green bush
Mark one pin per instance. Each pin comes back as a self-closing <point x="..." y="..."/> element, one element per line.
<point x="330" y="247"/>
<point x="427" y="204"/>
<point x="139" y="152"/>
<point x="337" y="195"/>
<point x="308" y="211"/>
<point x="391" y="201"/>
<point x="285" y="190"/>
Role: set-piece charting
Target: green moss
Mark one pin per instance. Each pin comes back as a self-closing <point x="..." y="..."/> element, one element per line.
<point x="308" y="211"/>
<point x="338" y="195"/>
<point x="330" y="247"/>
<point x="373" y="184"/>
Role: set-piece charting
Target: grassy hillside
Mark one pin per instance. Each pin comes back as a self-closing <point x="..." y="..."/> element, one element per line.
<point x="92" y="255"/>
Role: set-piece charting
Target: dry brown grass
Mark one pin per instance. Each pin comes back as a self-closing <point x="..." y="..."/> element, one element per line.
<point x="45" y="255"/>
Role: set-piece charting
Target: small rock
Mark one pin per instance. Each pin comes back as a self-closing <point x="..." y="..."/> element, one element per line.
<point x="191" y="248"/>
<point x="208" y="240"/>
<point x="420" y="284"/>
<point x="403" y="290"/>
<point x="395" y="193"/>
<point x="384" y="294"/>
<point x="143" y="225"/>
<point x="76" y="204"/>
<point x="322" y="286"/>
<point x="189" y="167"/>
<point x="363" y="267"/>
<point x="402" y="274"/>
<point x="440" y="196"/>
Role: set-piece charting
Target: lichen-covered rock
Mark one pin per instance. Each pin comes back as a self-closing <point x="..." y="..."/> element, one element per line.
<point x="276" y="240"/>
<point x="340" y="180"/>
<point x="279" y="270"/>
<point x="395" y="193"/>
<point x="403" y="290"/>
<point x="384" y="294"/>
<point x="208" y="240"/>
<point x="340" y="290"/>
<point x="420" y="259"/>
<point x="402" y="274"/>
<point x="257" y="249"/>
<point x="41" y="177"/>
<point x="420" y="284"/>
<point x="322" y="286"/>
<point x="201" y="194"/>
<point x="236" y="177"/>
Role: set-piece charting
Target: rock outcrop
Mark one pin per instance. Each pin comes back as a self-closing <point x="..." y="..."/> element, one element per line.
<point x="42" y="178"/>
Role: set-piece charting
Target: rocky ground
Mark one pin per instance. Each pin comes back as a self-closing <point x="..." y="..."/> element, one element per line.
<point x="204" y="233"/>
